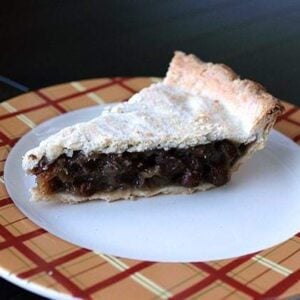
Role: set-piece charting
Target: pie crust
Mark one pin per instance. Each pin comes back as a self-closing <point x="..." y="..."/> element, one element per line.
<point x="197" y="103"/>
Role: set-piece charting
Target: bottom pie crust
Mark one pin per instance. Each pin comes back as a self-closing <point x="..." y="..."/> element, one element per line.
<point x="118" y="195"/>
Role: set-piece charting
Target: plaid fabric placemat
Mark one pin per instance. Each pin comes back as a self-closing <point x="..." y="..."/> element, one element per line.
<point x="35" y="256"/>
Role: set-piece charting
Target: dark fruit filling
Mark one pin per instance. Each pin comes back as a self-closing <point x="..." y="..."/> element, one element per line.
<point x="86" y="175"/>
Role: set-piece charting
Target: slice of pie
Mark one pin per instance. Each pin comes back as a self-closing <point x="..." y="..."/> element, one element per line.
<point x="185" y="134"/>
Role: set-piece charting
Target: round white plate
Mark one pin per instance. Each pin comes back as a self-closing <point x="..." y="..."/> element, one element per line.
<point x="259" y="208"/>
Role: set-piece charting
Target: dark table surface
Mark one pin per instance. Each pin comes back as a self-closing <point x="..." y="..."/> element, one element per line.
<point x="48" y="42"/>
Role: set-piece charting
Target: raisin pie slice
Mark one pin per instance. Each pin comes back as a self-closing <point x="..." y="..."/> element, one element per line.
<point x="187" y="133"/>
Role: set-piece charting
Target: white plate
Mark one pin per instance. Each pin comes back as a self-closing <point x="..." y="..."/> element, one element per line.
<point x="259" y="208"/>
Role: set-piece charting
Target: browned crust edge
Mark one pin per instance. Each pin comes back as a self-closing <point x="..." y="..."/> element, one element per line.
<point x="218" y="81"/>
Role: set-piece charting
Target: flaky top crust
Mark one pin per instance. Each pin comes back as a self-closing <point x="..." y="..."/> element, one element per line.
<point x="197" y="103"/>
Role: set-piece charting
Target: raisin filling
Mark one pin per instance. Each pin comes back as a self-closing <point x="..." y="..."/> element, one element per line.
<point x="85" y="175"/>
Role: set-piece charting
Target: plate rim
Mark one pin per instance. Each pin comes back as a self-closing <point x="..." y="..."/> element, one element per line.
<point x="34" y="287"/>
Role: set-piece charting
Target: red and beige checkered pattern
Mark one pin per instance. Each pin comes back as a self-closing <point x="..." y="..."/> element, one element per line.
<point x="35" y="255"/>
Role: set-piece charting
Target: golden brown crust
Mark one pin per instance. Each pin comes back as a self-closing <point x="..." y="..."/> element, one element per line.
<point x="245" y="98"/>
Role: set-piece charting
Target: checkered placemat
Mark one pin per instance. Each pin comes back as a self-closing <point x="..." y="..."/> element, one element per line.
<point x="34" y="255"/>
